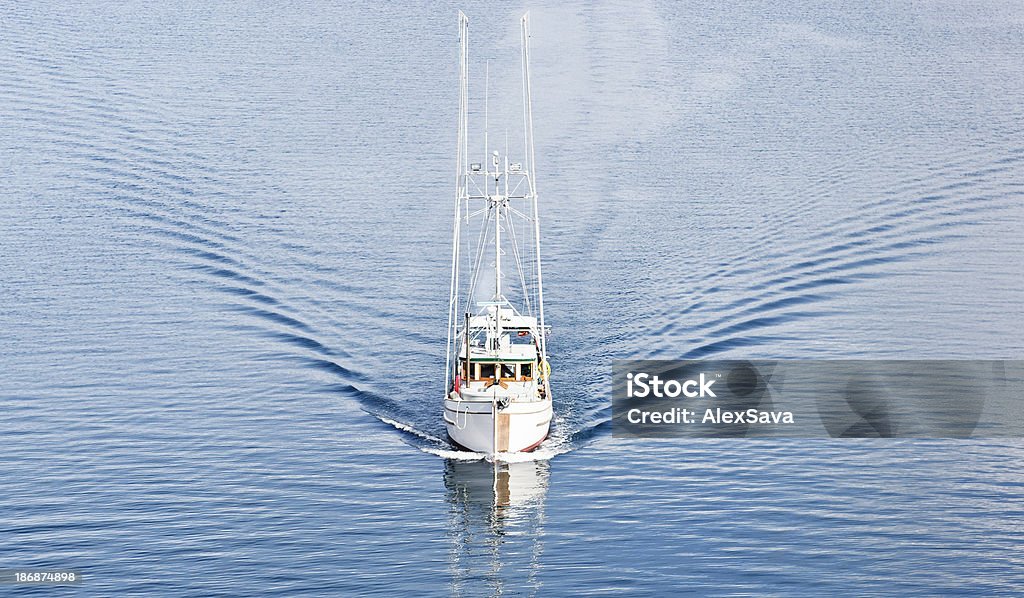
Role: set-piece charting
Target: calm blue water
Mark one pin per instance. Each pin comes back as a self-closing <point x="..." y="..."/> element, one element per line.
<point x="223" y="282"/>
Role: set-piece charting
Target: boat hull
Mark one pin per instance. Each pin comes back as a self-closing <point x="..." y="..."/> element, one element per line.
<point x="520" y="427"/>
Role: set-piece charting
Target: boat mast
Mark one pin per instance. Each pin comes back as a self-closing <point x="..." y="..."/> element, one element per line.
<point x="496" y="202"/>
<point x="502" y="199"/>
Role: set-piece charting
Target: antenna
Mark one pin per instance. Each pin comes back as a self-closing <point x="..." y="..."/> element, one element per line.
<point x="526" y="90"/>
<point x="487" y="97"/>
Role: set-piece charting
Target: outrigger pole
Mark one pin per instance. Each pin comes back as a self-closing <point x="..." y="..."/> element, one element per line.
<point x="532" y="170"/>
<point x="461" y="158"/>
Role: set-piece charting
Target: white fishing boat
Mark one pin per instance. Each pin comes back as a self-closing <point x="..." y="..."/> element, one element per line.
<point x="497" y="394"/>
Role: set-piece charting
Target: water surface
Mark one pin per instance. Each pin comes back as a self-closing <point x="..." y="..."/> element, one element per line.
<point x="223" y="259"/>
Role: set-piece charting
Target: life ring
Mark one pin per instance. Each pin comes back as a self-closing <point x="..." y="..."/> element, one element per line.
<point x="546" y="368"/>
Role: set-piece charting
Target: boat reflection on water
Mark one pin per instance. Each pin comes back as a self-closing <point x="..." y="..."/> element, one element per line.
<point x="496" y="525"/>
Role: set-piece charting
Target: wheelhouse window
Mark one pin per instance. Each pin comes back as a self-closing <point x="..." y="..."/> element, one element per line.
<point x="485" y="370"/>
<point x="506" y="372"/>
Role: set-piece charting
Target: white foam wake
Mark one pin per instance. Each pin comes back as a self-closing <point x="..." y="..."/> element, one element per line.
<point x="551" y="448"/>
<point x="411" y="430"/>
<point x="543" y="453"/>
